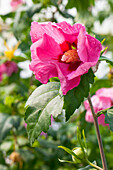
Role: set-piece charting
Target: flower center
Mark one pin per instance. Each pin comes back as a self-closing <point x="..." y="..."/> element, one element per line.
<point x="70" y="56"/>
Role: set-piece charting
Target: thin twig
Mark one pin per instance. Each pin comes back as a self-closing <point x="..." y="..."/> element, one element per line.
<point x="98" y="135"/>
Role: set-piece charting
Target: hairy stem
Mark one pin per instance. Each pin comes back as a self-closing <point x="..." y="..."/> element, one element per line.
<point x="98" y="135"/>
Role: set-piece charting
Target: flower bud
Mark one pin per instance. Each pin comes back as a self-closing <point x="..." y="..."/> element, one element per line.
<point x="78" y="151"/>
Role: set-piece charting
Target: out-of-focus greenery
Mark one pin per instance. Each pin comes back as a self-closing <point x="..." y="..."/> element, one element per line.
<point x="15" y="150"/>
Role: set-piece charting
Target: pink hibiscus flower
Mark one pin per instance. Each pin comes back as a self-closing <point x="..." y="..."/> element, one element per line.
<point x="15" y="3"/>
<point x="102" y="100"/>
<point x="63" y="51"/>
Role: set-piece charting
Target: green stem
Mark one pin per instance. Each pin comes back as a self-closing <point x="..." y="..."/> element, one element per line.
<point x="98" y="135"/>
<point x="93" y="165"/>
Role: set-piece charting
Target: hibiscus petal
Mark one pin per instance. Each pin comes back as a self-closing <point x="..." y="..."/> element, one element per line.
<point x="98" y="102"/>
<point x="82" y="69"/>
<point x="95" y="101"/>
<point x="88" y="49"/>
<point x="101" y="120"/>
<point x="46" y="49"/>
<point x="88" y="116"/>
<point x="61" y="32"/>
<point x="69" y="84"/>
<point x="77" y="27"/>
<point x="43" y="71"/>
<point x="38" y="30"/>
<point x="69" y="32"/>
<point x="105" y="92"/>
<point x="66" y="27"/>
<point x="66" y="84"/>
<point x="81" y="45"/>
<point x="93" y="48"/>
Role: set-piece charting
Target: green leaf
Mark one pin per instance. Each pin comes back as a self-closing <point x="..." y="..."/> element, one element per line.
<point x="84" y="137"/>
<point x="7" y="122"/>
<point x="109" y="117"/>
<point x="108" y="60"/>
<point x="74" y="97"/>
<point x="45" y="101"/>
<point x="20" y="58"/>
<point x="80" y="141"/>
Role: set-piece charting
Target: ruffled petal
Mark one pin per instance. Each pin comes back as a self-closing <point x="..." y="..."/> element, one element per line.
<point x="82" y="69"/>
<point x="93" y="48"/>
<point x="61" y="32"/>
<point x="66" y="27"/>
<point x="68" y="31"/>
<point x="44" y="54"/>
<point x="66" y="84"/>
<point x="43" y="71"/>
<point x="77" y="27"/>
<point x="69" y="84"/>
<point x="81" y="45"/>
<point x="46" y="49"/>
<point x="38" y="30"/>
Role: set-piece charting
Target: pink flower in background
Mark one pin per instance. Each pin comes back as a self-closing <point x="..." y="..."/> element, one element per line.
<point x="10" y="67"/>
<point x="42" y="133"/>
<point x="2" y="70"/>
<point x="102" y="100"/>
<point x="15" y="3"/>
<point x="63" y="51"/>
<point x="25" y="125"/>
<point x="105" y="92"/>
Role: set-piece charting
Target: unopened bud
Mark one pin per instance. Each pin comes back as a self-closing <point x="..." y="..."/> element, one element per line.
<point x="78" y="151"/>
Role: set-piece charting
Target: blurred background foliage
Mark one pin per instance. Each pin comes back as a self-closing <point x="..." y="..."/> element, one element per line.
<point x="15" y="150"/>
